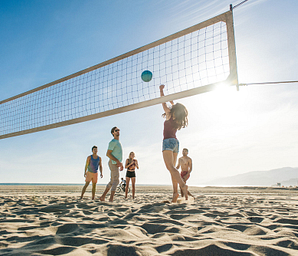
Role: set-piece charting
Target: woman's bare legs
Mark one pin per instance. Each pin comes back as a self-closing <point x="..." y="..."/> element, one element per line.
<point x="126" y="187"/>
<point x="175" y="189"/>
<point x="170" y="160"/>
<point x="133" y="184"/>
<point x="174" y="181"/>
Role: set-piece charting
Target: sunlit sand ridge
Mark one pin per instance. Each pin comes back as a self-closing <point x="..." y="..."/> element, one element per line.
<point x="51" y="220"/>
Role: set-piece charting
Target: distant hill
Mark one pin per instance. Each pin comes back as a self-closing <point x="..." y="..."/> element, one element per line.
<point x="291" y="182"/>
<point x="286" y="176"/>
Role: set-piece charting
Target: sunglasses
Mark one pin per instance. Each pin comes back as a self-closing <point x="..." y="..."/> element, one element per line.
<point x="117" y="130"/>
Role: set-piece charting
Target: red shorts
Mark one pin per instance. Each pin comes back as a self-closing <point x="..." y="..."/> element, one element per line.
<point x="183" y="175"/>
<point x="90" y="176"/>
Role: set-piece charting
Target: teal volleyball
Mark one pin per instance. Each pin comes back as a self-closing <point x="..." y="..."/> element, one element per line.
<point x="146" y="76"/>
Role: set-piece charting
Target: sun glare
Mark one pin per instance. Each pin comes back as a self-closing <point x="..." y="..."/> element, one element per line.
<point x="223" y="109"/>
<point x="223" y="100"/>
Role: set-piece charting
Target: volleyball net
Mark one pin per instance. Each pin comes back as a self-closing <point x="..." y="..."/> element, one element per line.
<point x="189" y="62"/>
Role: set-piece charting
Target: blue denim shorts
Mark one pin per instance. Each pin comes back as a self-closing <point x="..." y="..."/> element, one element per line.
<point x="170" y="144"/>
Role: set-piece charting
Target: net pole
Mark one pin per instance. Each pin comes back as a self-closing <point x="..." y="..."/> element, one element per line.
<point x="233" y="77"/>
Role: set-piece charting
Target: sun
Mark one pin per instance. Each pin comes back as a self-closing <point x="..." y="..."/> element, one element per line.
<point x="224" y="108"/>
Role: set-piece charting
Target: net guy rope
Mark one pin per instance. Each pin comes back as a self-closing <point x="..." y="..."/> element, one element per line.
<point x="189" y="62"/>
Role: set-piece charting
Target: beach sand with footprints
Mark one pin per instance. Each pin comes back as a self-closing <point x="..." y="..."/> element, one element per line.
<point x="51" y="220"/>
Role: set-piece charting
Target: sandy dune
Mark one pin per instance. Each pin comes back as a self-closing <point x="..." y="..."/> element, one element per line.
<point x="51" y="220"/>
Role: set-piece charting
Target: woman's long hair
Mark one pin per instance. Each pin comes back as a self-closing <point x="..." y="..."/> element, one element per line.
<point x="180" y="113"/>
<point x="129" y="158"/>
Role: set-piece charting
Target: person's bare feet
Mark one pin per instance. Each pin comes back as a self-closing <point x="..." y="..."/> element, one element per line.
<point x="102" y="199"/>
<point x="175" y="197"/>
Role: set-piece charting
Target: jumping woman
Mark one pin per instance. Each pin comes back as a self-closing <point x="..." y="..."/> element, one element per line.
<point x="176" y="118"/>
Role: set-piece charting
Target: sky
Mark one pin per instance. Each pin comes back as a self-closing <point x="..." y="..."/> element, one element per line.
<point x="230" y="132"/>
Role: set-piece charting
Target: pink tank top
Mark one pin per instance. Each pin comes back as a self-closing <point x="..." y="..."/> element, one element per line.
<point x="169" y="131"/>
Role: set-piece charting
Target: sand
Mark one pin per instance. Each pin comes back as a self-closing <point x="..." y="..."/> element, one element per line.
<point x="51" y="220"/>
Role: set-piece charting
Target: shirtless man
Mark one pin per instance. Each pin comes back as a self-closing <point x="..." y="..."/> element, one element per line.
<point x="185" y="163"/>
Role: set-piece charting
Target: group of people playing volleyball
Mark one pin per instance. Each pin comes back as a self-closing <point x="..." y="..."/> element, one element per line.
<point x="176" y="118"/>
